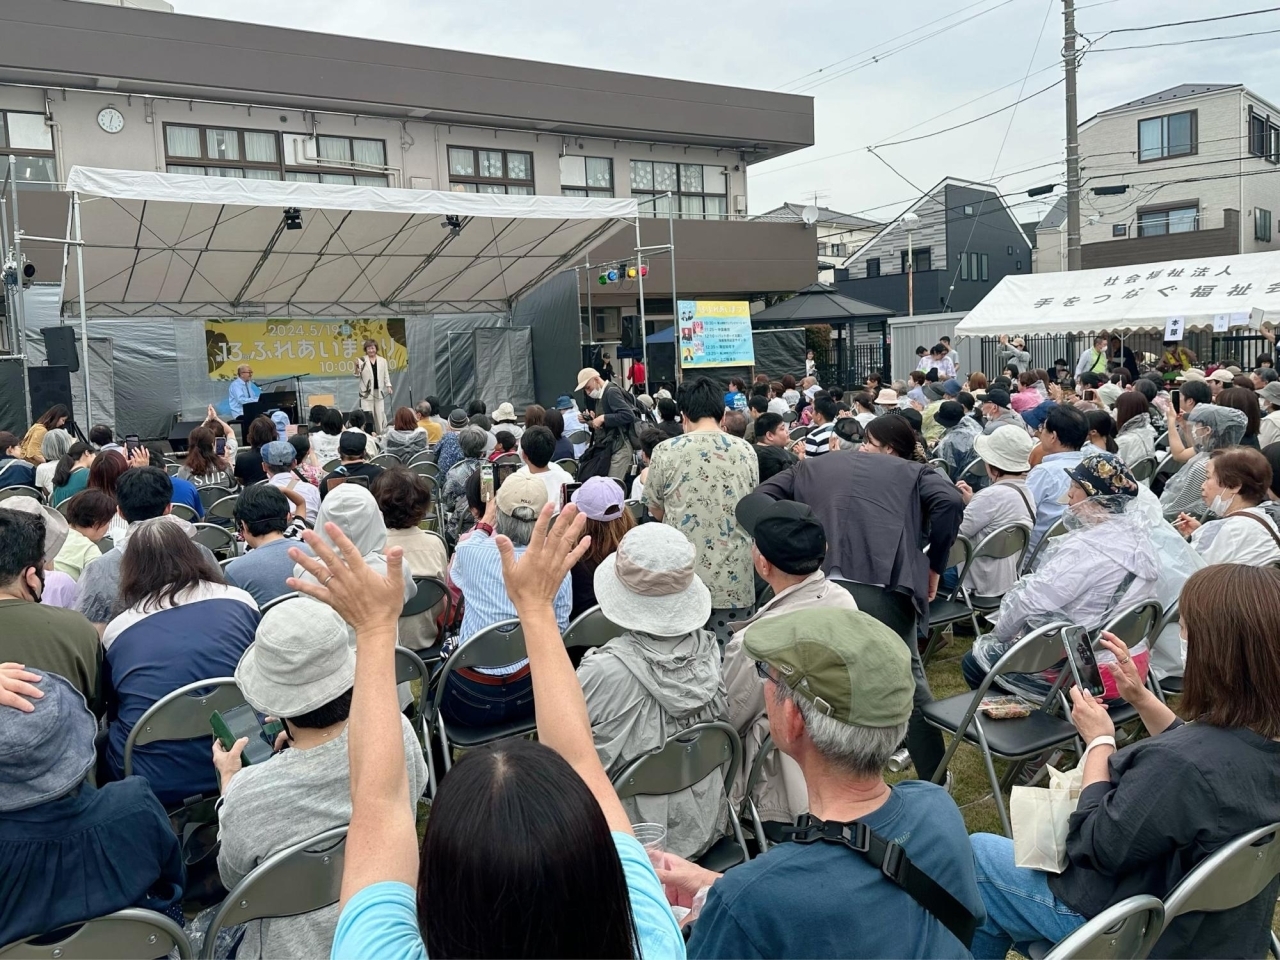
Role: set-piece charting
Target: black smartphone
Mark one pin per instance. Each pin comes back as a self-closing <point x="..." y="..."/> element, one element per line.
<point x="242" y="721"/>
<point x="220" y="446"/>
<point x="131" y="444"/>
<point x="1176" y="396"/>
<point x="500" y="473"/>
<point x="304" y="430"/>
<point x="566" y="493"/>
<point x="1084" y="667"/>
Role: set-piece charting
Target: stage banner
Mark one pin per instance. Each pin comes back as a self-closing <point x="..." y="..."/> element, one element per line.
<point x="715" y="333"/>
<point x="298" y="348"/>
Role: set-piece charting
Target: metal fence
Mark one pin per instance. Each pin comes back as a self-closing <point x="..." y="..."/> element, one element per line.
<point x="1241" y="349"/>
<point x="860" y="360"/>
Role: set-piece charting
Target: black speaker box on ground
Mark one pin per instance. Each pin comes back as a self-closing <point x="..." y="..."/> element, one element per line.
<point x="49" y="386"/>
<point x="13" y="405"/>
<point x="178" y="435"/>
<point x="60" y="348"/>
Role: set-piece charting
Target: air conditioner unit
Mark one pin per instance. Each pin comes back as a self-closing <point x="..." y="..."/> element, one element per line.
<point x="740" y="203"/>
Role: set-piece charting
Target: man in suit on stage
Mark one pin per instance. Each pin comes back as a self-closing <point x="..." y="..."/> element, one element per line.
<point x="375" y="384"/>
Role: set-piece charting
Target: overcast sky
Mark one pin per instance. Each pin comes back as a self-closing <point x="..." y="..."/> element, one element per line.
<point x="774" y="45"/>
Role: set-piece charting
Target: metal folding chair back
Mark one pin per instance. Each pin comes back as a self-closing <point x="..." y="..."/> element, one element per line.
<point x="22" y="491"/>
<point x="1010" y="541"/>
<point x="283" y="598"/>
<point x="892" y="608"/>
<point x="1057" y="529"/>
<point x="172" y="468"/>
<point x="224" y="508"/>
<point x="431" y="590"/>
<point x="182" y="714"/>
<point x="799" y="433"/>
<point x="1124" y="931"/>
<point x="293" y="881"/>
<point x="569" y="466"/>
<point x="218" y="539"/>
<point x="636" y="508"/>
<point x="1136" y="623"/>
<point x="942" y="467"/>
<point x="975" y="474"/>
<point x="580" y="436"/>
<point x="211" y="494"/>
<point x="183" y="512"/>
<point x="749" y="808"/>
<point x="385" y="460"/>
<point x="331" y="465"/>
<point x="106" y="544"/>
<point x="1144" y="469"/>
<point x="1229" y="877"/>
<point x="591" y="628"/>
<point x="409" y="666"/>
<point x="124" y="935"/>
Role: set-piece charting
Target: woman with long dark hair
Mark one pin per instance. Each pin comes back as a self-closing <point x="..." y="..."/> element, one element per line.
<point x="248" y="464"/>
<point x="1102" y="430"/>
<point x="177" y="622"/>
<point x="54" y="418"/>
<point x="893" y="434"/>
<point x="104" y="473"/>
<point x="1135" y="436"/>
<point x="203" y="466"/>
<point x="1246" y="401"/>
<point x="324" y="442"/>
<point x="71" y="475"/>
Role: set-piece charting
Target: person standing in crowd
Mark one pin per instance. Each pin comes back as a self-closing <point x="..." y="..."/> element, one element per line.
<point x="262" y="517"/>
<point x="957" y="443"/>
<point x="837" y="688"/>
<point x="636" y="374"/>
<point x="70" y="851"/>
<point x="772" y="446"/>
<point x="42" y="636"/>
<point x="14" y="470"/>
<point x="1012" y="351"/>
<point x="658" y="677"/>
<point x="1003" y="502"/>
<point x="940" y="360"/>
<point x="615" y="418"/>
<point x="695" y="481"/>
<point x="1237" y="484"/>
<point x="242" y="390"/>
<point x="1118" y="353"/>
<point x="352" y="450"/>
<point x="55" y="418"/>
<point x="875" y="537"/>
<point x="1135" y="437"/>
<point x="374" y="374"/>
<point x="407" y="438"/>
<point x="248" y="463"/>
<point x="301" y="667"/>
<point x="818" y="440"/>
<point x="996" y="411"/>
<point x="1094" y="360"/>
<point x="787" y="551"/>
<point x="89" y="514"/>
<point x="453" y="487"/>
<point x="404" y="500"/>
<point x="52" y="448"/>
<point x="71" y="474"/>
<point x="204" y="466"/>
<point x="1062" y="435"/>
<point x="179" y="623"/>
<point x="599" y="499"/>
<point x="1151" y="812"/>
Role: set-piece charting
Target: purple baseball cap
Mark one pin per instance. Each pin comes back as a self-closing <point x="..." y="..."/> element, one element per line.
<point x="599" y="498"/>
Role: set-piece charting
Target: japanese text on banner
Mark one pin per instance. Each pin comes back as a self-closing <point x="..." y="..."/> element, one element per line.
<point x="715" y="333"/>
<point x="294" y="347"/>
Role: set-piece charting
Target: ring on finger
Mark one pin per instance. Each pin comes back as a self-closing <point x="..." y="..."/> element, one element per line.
<point x="1125" y="660"/>
<point x="325" y="581"/>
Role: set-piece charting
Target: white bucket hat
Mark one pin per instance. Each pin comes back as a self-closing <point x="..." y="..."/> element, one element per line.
<point x="648" y="584"/>
<point x="1006" y="448"/>
<point x="505" y="413"/>
<point x="302" y="657"/>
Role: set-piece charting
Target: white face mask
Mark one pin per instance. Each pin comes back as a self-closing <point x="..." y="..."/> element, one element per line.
<point x="1221" y="505"/>
<point x="596" y="394"/>
<point x="1184" y="651"/>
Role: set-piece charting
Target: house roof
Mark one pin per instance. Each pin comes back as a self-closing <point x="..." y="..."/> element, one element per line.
<point x="1180" y="92"/>
<point x="792" y="213"/>
<point x="932" y="195"/>
<point x="1054" y="216"/>
<point x="820" y="302"/>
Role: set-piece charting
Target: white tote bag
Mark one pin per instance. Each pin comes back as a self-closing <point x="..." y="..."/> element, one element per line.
<point x="1039" y="818"/>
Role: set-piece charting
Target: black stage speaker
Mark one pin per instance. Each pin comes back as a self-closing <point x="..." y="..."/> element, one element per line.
<point x="13" y="405"/>
<point x="49" y="386"/>
<point x="60" y="348"/>
<point x="178" y="435"/>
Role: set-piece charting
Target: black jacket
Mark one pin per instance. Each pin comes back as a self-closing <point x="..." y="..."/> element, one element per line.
<point x="618" y="412"/>
<point x="773" y="460"/>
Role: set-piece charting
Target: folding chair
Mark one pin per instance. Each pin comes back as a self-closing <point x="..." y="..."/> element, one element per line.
<point x="1165" y="469"/>
<point x="591" y="628"/>
<point x="410" y="667"/>
<point x="283" y="598"/>
<point x="1144" y="469"/>
<point x="494" y="646"/>
<point x="223" y="564"/>
<point x="293" y="881"/>
<point x="64" y="506"/>
<point x="799" y="433"/>
<point x="431" y="591"/>
<point x="1124" y="931"/>
<point x="1162" y="441"/>
<point x="218" y="539"/>
<point x="124" y="935"/>
<point x="569" y="466"/>
<point x="509" y="460"/>
<point x="183" y="512"/>
<point x="424" y="468"/>
<point x="1015" y="739"/>
<point x="1132" y="625"/>
<point x="946" y="610"/>
<point x="790" y="416"/>
<point x="580" y="436"/>
<point x="106" y="544"/>
<point x="975" y="474"/>
<point x="212" y="494"/>
<point x="182" y="714"/>
<point x="685" y="759"/>
<point x="750" y="811"/>
<point x="172" y="468"/>
<point x="332" y="483"/>
<point x="1229" y="877"/>
<point x="224" y="508"/>
<point x="385" y="460"/>
<point x="1169" y="686"/>
<point x="1057" y="529"/>
<point x="331" y="465"/>
<point x="942" y="467"/>
<point x="22" y="491"/>
<point x="637" y="509"/>
<point x="891" y="607"/>
<point x="423" y="457"/>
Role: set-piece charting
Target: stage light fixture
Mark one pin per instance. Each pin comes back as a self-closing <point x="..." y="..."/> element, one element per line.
<point x="632" y="273"/>
<point x="603" y="279"/>
<point x="292" y="218"/>
<point x="453" y="223"/>
<point x="644" y="271"/>
<point x="612" y="275"/>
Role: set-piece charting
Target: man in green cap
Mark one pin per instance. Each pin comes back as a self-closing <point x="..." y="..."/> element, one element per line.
<point x="838" y="693"/>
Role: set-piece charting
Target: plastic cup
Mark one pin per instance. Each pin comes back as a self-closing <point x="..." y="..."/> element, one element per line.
<point x="653" y="837"/>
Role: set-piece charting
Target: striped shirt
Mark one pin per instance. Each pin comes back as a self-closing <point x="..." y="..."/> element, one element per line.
<point x="818" y="440"/>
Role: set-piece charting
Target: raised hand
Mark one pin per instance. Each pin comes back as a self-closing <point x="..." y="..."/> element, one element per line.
<point x="534" y="578"/>
<point x="362" y="597"/>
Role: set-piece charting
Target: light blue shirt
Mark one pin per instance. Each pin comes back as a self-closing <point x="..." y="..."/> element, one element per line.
<point x="381" y="921"/>
<point x="1046" y="482"/>
<point x="240" y="394"/>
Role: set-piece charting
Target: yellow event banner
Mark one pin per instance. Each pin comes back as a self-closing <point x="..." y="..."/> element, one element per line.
<point x="300" y="348"/>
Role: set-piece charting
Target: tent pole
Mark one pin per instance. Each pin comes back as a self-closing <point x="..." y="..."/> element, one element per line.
<point x="644" y="334"/>
<point x="84" y="323"/>
<point x="675" y="312"/>
<point x="19" y="300"/>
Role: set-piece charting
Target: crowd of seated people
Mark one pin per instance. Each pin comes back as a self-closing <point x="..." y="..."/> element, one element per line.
<point x="756" y="534"/>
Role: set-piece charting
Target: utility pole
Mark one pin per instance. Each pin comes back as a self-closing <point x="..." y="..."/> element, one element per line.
<point x="1073" y="136"/>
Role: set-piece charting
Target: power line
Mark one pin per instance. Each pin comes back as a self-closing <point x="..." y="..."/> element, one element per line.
<point x="1184" y="23"/>
<point x="1179" y="43"/>
<point x="1008" y="106"/>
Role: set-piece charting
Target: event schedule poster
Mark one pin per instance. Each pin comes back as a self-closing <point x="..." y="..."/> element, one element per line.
<point x="295" y="347"/>
<point x="716" y="333"/>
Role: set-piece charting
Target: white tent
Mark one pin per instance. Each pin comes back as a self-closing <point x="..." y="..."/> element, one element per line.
<point x="205" y="246"/>
<point x="1212" y="292"/>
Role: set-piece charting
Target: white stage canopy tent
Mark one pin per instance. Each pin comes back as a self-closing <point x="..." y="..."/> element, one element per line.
<point x="210" y="246"/>
<point x="1210" y="292"/>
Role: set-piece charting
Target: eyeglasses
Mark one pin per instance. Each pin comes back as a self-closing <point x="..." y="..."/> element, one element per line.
<point x="762" y="668"/>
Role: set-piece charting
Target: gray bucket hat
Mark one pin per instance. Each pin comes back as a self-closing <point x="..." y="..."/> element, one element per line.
<point x="302" y="657"/>
<point x="45" y="753"/>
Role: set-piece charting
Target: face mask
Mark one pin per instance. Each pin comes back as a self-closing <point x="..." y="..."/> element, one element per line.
<point x="1184" y="651"/>
<point x="596" y="394"/>
<point x="1221" y="505"/>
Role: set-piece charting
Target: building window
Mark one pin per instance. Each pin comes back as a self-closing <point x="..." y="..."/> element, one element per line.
<point x="984" y="267"/>
<point x="352" y="160"/>
<point x="1157" y="223"/>
<point x="1017" y="265"/>
<point x="964" y="266"/>
<point x="490" y="171"/>
<point x="873" y="267"/>
<point x="1264" y="137"/>
<point x="586" y="176"/>
<point x="922" y="260"/>
<point x="823" y="249"/>
<point x="30" y="140"/>
<point x="1262" y="224"/>
<point x="700" y="191"/>
<point x="968" y="210"/>
<point x="1008" y="251"/>
<point x="222" y="152"/>
<point x="839" y="250"/>
<point x="1173" y="135"/>
<point x="1119" y="229"/>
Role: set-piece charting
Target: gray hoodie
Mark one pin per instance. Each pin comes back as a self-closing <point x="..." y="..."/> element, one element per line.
<point x="642" y="690"/>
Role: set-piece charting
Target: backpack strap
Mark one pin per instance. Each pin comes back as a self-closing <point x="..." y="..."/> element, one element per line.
<point x="1022" y="493"/>
<point x="1266" y="526"/>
